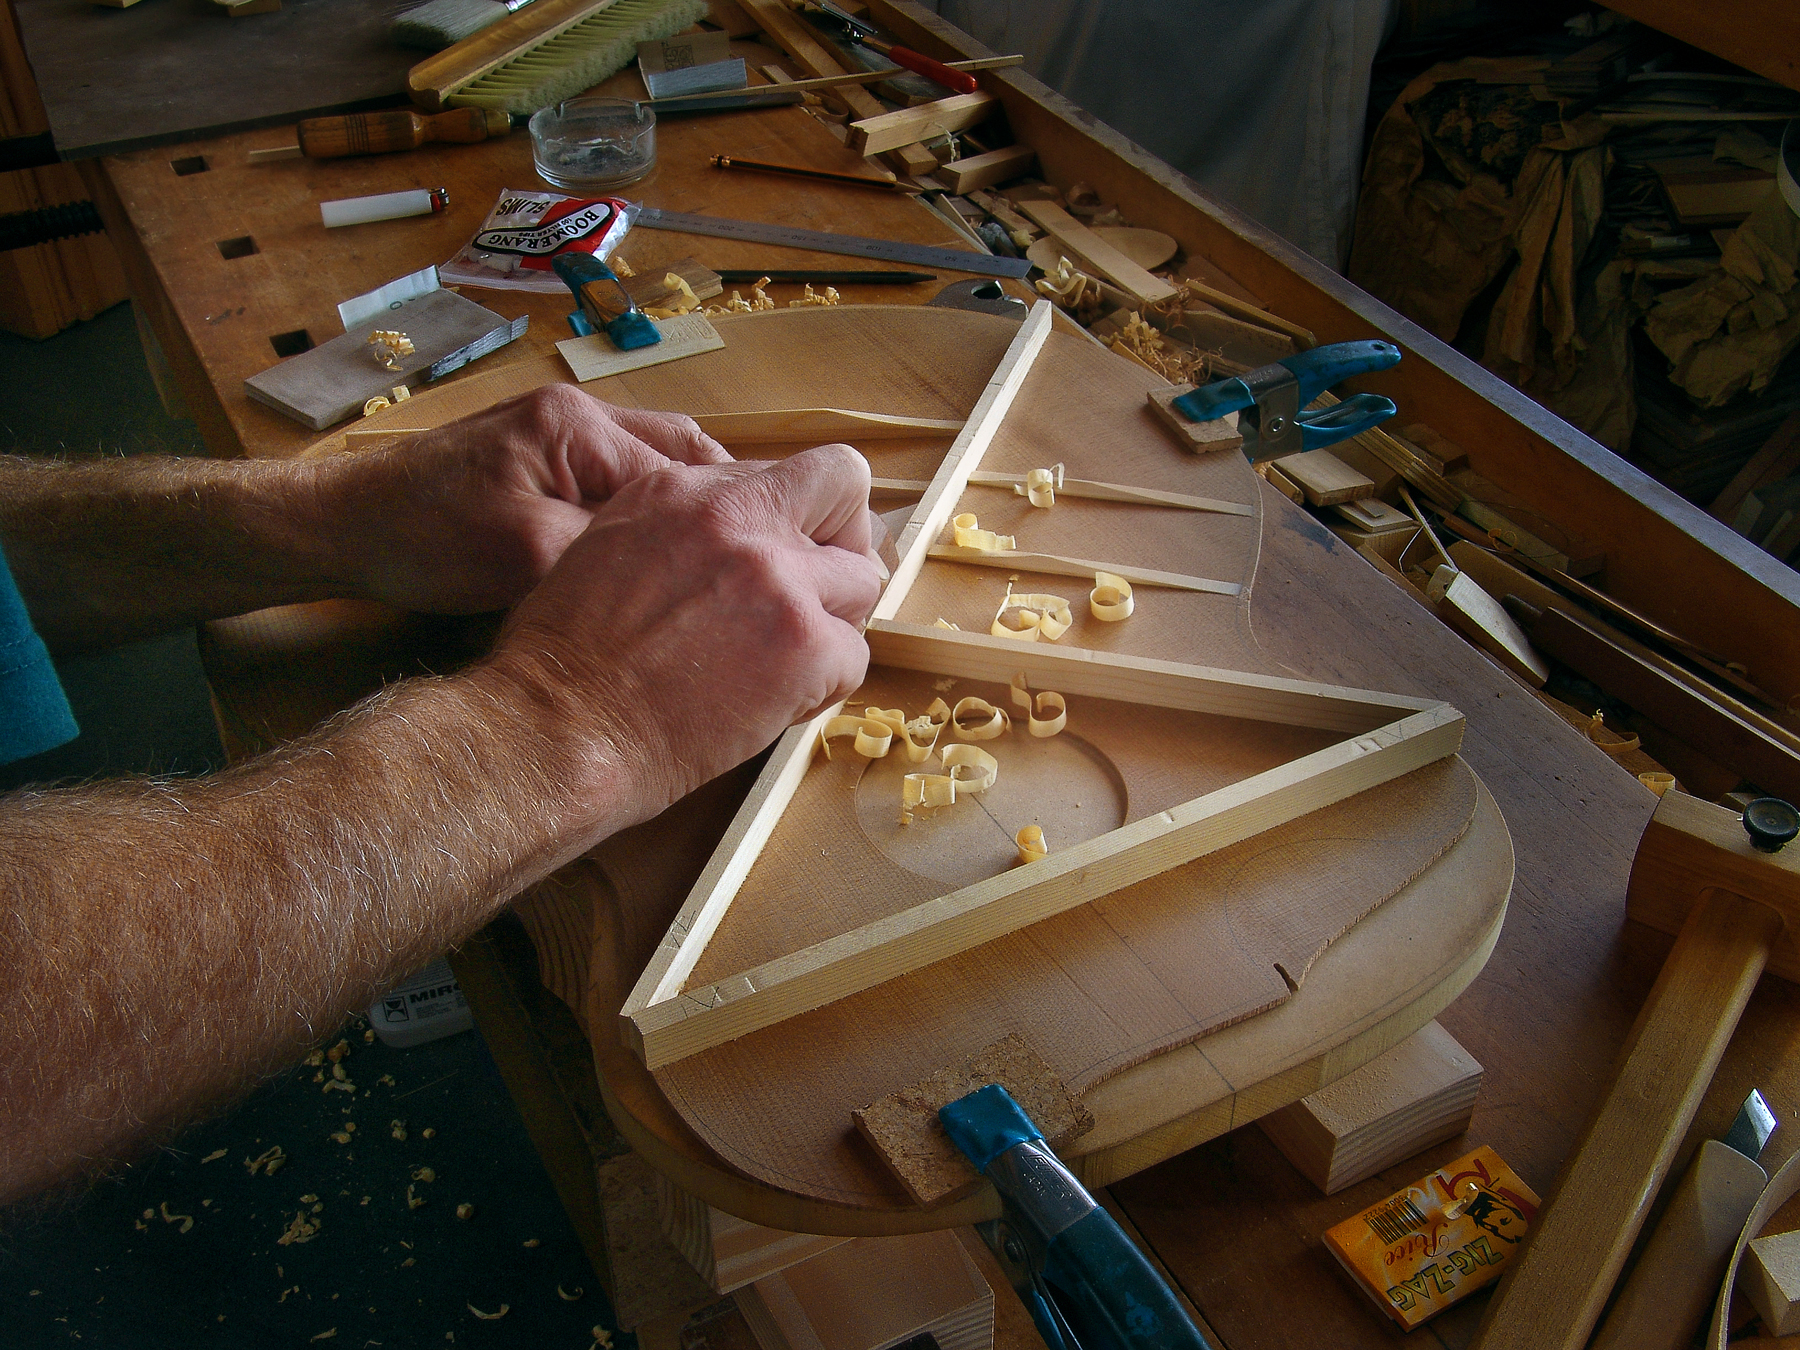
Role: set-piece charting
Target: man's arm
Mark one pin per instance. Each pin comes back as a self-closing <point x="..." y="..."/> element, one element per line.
<point x="163" y="943"/>
<point x="462" y="519"/>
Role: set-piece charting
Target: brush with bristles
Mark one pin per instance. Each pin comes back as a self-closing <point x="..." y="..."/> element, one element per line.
<point x="435" y="25"/>
<point x="549" y="51"/>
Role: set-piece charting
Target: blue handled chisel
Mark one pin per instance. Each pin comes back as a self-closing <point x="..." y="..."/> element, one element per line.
<point x="1271" y="399"/>
<point x="1085" y="1283"/>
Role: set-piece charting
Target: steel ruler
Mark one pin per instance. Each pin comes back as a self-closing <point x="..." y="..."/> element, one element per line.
<point x="856" y="246"/>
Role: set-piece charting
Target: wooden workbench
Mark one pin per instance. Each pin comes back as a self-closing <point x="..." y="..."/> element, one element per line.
<point x="1236" y="1226"/>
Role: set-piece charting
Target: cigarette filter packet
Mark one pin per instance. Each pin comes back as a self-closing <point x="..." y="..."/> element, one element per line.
<point x="1440" y="1239"/>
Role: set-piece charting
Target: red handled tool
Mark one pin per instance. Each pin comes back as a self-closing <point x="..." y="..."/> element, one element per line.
<point x="958" y="81"/>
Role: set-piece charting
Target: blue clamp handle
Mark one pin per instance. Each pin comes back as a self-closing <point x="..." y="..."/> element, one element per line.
<point x="628" y="329"/>
<point x="1089" y="1287"/>
<point x="1315" y="371"/>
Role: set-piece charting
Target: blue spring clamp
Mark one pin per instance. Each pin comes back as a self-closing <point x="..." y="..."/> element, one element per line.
<point x="1085" y="1283"/>
<point x="601" y="304"/>
<point x="1271" y="400"/>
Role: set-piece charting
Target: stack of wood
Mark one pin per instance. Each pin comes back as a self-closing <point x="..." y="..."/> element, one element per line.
<point x="1762" y="502"/>
<point x="47" y="287"/>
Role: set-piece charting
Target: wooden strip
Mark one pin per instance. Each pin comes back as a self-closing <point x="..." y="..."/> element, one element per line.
<point x="818" y="424"/>
<point x="915" y="937"/>
<point x="980" y="171"/>
<point x="871" y="135"/>
<point x="858" y="77"/>
<point x="775" y="787"/>
<point x="1116" y="492"/>
<point x="441" y="74"/>
<point x="953" y="474"/>
<point x="1250" y="313"/>
<point x="1779" y="456"/>
<point x="1094" y="254"/>
<point x="1137" y="679"/>
<point x="1054" y="564"/>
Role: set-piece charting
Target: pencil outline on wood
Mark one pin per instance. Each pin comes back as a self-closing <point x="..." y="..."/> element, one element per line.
<point x="1386" y="736"/>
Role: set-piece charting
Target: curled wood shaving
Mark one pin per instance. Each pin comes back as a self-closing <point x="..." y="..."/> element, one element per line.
<point x="759" y="300"/>
<point x="975" y="719"/>
<point x="873" y="735"/>
<point x="1029" y="616"/>
<point x="1040" y="486"/>
<point x="969" y="534"/>
<point x="487" y="1316"/>
<point x="918" y="736"/>
<point x="413" y="1201"/>
<point x="301" y="1228"/>
<point x="681" y="302"/>
<point x="185" y="1220"/>
<point x="375" y="405"/>
<point x="830" y="296"/>
<point x="467" y="1211"/>
<point x="1614" y="748"/>
<point x="1110" y="601"/>
<point x="568" y="1297"/>
<point x="214" y="1156"/>
<point x="267" y="1161"/>
<point x="1044" y="718"/>
<point x="972" y="769"/>
<point x="621" y="268"/>
<point x="326" y="1335"/>
<point x="1031" y="844"/>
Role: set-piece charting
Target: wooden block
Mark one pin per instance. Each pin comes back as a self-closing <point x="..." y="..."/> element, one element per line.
<point x="649" y="1278"/>
<point x="1462" y="604"/>
<point x="903" y="1127"/>
<point x="1219" y="434"/>
<point x="1417" y="1094"/>
<point x="1374" y="516"/>
<point x="1240" y="309"/>
<point x="648" y="289"/>
<point x="1093" y="254"/>
<point x="909" y="126"/>
<point x="726" y="1251"/>
<point x="1286" y="486"/>
<point x="980" y="171"/>
<point x="332" y="382"/>
<point x="1770" y="1279"/>
<point x="1438" y="452"/>
<point x="1324" y="478"/>
<point x="594" y="357"/>
<point x="730" y="16"/>
<point x="874" y="1293"/>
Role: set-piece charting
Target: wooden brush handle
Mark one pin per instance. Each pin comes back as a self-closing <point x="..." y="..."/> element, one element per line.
<point x="438" y="76"/>
<point x="380" y="133"/>
<point x="1552" y="1295"/>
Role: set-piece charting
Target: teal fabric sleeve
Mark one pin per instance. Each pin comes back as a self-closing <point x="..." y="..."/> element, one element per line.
<point x="34" y="714"/>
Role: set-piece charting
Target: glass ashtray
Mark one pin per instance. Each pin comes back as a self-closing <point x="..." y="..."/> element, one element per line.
<point x="591" y="143"/>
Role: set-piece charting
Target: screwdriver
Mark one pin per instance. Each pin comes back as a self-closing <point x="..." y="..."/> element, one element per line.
<point x="381" y="133"/>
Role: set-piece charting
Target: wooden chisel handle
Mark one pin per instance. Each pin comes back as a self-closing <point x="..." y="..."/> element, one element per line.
<point x="381" y="133"/>
<point x="1556" y="1287"/>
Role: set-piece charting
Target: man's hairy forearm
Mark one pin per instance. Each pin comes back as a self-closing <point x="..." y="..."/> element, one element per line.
<point x="111" y="550"/>
<point x="203" y="931"/>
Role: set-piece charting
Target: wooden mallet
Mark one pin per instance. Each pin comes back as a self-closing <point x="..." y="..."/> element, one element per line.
<point x="1721" y="884"/>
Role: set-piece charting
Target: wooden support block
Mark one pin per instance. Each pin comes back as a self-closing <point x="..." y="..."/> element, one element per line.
<point x="726" y="1251"/>
<point x="1324" y="478"/>
<point x="980" y="171"/>
<point x="903" y="1127"/>
<point x="872" y="1294"/>
<point x="1202" y="437"/>
<point x="1093" y="254"/>
<point x="1374" y="516"/>
<point x="1417" y="1094"/>
<point x="908" y="126"/>
<point x="1770" y="1279"/>
<point x="1471" y="611"/>
<point x="1247" y="344"/>
<point x="1439" y="452"/>
<point x="647" y="290"/>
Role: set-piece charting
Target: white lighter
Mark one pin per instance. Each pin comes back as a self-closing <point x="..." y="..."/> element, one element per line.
<point x="384" y="206"/>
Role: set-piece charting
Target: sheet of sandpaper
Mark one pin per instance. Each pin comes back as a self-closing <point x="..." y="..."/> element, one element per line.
<point x="329" y="383"/>
<point x="173" y="70"/>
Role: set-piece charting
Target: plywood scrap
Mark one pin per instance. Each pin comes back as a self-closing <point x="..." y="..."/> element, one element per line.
<point x="873" y="1293"/>
<point x="1419" y="1093"/>
<point x="903" y="1127"/>
<point x="1374" y="516"/>
<point x="1324" y="478"/>
<point x="1219" y="434"/>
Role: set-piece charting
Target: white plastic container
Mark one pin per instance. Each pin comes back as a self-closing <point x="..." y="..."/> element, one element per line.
<point x="426" y="1007"/>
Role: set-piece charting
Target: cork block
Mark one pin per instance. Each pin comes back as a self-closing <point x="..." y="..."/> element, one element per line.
<point x="903" y="1127"/>
<point x="1201" y="437"/>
